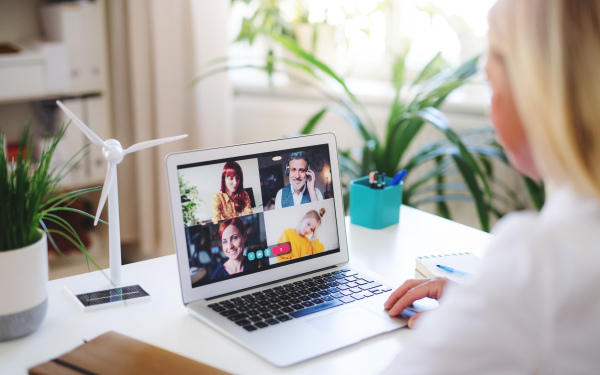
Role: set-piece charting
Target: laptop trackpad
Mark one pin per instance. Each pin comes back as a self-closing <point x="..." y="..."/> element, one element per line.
<point x="352" y="324"/>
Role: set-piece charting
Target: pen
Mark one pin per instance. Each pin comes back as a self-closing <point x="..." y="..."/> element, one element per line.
<point x="399" y="177"/>
<point x="453" y="270"/>
<point x="381" y="183"/>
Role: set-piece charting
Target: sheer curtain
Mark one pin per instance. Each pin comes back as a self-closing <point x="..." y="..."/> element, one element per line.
<point x="156" y="48"/>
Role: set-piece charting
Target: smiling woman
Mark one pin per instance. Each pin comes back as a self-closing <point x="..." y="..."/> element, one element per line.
<point x="233" y="240"/>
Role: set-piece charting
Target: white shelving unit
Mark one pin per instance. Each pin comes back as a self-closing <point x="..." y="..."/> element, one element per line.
<point x="62" y="56"/>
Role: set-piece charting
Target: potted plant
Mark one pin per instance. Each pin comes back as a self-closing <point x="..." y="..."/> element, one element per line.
<point x="467" y="156"/>
<point x="189" y="201"/>
<point x="30" y="199"/>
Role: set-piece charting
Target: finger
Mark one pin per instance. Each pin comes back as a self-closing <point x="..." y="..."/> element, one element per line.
<point x="416" y="293"/>
<point x="413" y="319"/>
<point x="432" y="288"/>
<point x="402" y="289"/>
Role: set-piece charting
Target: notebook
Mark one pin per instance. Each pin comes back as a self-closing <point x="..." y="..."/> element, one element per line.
<point x="461" y="265"/>
<point x="261" y="248"/>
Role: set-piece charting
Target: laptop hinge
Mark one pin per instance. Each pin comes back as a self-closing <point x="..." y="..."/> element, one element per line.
<point x="266" y="284"/>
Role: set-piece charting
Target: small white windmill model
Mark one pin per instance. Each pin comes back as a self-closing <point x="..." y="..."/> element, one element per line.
<point x="114" y="153"/>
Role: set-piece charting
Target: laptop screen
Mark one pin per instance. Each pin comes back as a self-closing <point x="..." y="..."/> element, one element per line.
<point x="253" y="213"/>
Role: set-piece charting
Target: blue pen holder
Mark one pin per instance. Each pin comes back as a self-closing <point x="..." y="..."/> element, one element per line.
<point x="374" y="208"/>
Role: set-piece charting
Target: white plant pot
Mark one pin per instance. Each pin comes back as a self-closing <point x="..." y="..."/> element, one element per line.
<point x="23" y="289"/>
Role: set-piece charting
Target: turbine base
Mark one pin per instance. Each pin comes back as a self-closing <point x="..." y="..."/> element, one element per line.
<point x="98" y="293"/>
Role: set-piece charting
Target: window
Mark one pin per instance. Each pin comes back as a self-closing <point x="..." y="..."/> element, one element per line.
<point x="361" y="38"/>
<point x="457" y="28"/>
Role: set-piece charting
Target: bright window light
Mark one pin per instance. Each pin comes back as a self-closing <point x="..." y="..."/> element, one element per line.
<point x="361" y="38"/>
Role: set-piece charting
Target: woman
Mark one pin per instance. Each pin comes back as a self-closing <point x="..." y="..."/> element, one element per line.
<point x="232" y="233"/>
<point x="534" y="306"/>
<point x="300" y="244"/>
<point x="232" y="200"/>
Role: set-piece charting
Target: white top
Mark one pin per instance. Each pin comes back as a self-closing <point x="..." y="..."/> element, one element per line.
<point x="534" y="308"/>
<point x="297" y="197"/>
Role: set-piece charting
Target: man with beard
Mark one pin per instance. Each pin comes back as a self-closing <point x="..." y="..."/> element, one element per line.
<point x="302" y="183"/>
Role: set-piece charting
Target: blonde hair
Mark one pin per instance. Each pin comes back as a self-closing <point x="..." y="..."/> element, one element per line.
<point x="315" y="215"/>
<point x="551" y="54"/>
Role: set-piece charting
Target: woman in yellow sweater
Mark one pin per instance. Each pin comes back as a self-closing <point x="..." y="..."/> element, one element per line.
<point x="300" y="244"/>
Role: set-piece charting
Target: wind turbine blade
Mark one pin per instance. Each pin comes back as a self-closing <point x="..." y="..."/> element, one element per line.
<point x="105" y="190"/>
<point x="156" y="142"/>
<point x="84" y="128"/>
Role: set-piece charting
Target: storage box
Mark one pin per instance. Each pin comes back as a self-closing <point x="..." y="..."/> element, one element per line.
<point x="21" y="74"/>
<point x="374" y="208"/>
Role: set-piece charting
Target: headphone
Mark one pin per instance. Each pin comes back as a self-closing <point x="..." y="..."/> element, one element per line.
<point x="287" y="167"/>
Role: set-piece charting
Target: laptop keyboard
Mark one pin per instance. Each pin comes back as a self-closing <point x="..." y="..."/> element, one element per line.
<point x="283" y="303"/>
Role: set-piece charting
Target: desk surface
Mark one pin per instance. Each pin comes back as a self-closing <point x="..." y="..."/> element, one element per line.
<point x="165" y="322"/>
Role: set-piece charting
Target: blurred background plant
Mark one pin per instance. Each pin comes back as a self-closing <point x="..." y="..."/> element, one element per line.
<point x="189" y="201"/>
<point x="457" y="167"/>
<point x="316" y="26"/>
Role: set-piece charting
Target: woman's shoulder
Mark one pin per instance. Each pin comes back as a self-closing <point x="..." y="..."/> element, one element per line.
<point x="218" y="196"/>
<point x="514" y="241"/>
<point x="219" y="272"/>
<point x="290" y="232"/>
<point x="566" y="220"/>
<point x="515" y="220"/>
<point x="539" y="247"/>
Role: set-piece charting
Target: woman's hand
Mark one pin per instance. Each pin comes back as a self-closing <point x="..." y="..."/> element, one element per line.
<point x="411" y="291"/>
<point x="315" y="234"/>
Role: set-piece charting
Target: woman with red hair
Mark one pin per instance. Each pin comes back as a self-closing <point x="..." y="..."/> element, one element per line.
<point x="232" y="233"/>
<point x="232" y="200"/>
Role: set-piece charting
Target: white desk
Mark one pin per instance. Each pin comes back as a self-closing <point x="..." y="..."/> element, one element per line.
<point x="165" y="322"/>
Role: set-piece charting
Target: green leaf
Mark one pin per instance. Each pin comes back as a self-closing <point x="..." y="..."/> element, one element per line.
<point x="433" y="67"/>
<point x="437" y="187"/>
<point x="476" y="192"/>
<point x="536" y="192"/>
<point x="435" y="90"/>
<point x="79" y="212"/>
<point x="399" y="139"/>
<point x="312" y="122"/>
<point x="438" y="119"/>
<point x="293" y="47"/>
<point x="398" y="70"/>
<point x="443" y="198"/>
<point x="439" y="169"/>
<point x="353" y="120"/>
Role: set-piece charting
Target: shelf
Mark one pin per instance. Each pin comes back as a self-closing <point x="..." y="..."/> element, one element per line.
<point x="51" y="95"/>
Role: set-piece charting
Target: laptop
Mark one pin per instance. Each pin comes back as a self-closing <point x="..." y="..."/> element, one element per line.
<point x="261" y="248"/>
